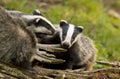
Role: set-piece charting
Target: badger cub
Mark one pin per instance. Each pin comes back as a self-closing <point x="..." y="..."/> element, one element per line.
<point x="81" y="50"/>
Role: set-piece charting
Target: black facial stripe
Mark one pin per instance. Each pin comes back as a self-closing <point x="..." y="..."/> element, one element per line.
<point x="76" y="32"/>
<point x="64" y="31"/>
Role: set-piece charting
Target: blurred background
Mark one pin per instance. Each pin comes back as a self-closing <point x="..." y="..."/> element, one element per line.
<point x="100" y="18"/>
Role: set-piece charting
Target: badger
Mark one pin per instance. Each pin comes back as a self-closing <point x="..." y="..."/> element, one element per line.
<point x="40" y="23"/>
<point x="81" y="52"/>
<point x="17" y="44"/>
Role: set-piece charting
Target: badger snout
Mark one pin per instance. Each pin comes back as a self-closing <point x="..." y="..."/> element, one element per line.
<point x="66" y="45"/>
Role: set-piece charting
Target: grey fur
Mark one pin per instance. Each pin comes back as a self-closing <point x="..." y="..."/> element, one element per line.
<point x="17" y="44"/>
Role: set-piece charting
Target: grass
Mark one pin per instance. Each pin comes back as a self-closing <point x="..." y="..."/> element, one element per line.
<point x="92" y="14"/>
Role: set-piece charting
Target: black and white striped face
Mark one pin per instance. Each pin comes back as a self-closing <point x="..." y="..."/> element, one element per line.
<point x="39" y="21"/>
<point x="35" y="19"/>
<point x="68" y="33"/>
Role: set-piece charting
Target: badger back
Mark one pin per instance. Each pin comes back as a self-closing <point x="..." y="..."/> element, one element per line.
<point x="69" y="33"/>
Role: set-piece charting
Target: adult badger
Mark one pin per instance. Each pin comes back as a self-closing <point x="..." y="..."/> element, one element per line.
<point x="80" y="49"/>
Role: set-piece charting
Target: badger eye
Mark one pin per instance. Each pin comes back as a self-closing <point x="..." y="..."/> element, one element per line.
<point x="73" y="37"/>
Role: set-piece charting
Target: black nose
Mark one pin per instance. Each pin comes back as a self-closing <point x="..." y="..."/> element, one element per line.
<point x="65" y="45"/>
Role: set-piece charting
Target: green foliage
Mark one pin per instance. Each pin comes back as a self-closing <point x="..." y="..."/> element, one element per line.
<point x="92" y="14"/>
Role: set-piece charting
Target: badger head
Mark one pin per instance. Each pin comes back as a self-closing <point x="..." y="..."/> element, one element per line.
<point x="40" y="22"/>
<point x="69" y="33"/>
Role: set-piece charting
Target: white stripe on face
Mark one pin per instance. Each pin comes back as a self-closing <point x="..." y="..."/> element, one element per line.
<point x="69" y="34"/>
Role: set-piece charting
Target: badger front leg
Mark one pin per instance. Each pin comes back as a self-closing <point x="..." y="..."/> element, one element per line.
<point x="88" y="67"/>
<point x="90" y="63"/>
<point x="68" y="64"/>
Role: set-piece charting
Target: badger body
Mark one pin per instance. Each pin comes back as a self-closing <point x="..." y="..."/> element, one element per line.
<point x="81" y="50"/>
<point x="81" y="54"/>
<point x="17" y="44"/>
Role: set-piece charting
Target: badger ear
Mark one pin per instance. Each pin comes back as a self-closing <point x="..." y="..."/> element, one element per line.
<point x="80" y="28"/>
<point x="34" y="21"/>
<point x="37" y="12"/>
<point x="63" y="23"/>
